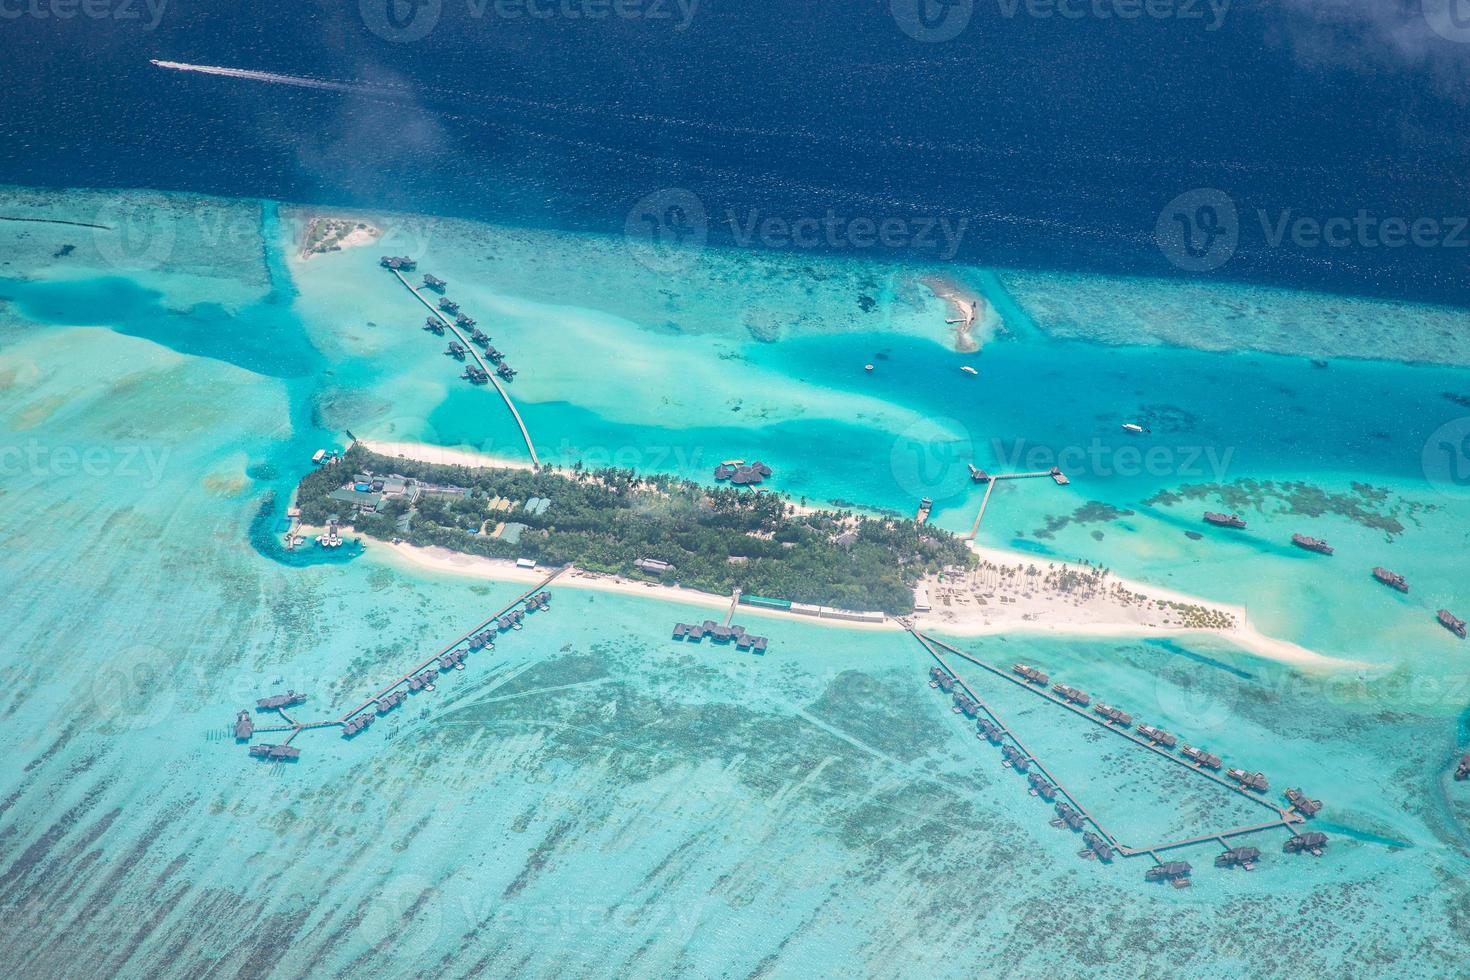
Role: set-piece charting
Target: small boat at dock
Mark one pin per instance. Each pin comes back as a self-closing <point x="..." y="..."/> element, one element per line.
<point x="1311" y="544"/>
<point x="1223" y="520"/>
<point x="1391" y="579"/>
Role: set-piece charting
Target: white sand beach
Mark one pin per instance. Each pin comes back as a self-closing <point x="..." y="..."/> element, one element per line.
<point x="1060" y="598"/>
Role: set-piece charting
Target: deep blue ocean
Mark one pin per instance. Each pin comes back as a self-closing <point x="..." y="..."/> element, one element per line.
<point x="1059" y="140"/>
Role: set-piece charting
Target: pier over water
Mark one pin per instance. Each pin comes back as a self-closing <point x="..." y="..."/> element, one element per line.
<point x="489" y="373"/>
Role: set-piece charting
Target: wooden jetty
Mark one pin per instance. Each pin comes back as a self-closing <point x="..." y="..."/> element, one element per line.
<point x="426" y="663"/>
<point x="991" y="479"/>
<point x="490" y="375"/>
<point x="1282" y="818"/>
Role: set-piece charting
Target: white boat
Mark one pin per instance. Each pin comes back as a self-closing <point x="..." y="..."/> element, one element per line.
<point x="968" y="370"/>
<point x="1133" y="427"/>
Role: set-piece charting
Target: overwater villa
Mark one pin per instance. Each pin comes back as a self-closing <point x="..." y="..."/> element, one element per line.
<point x="388" y="702"/>
<point x="966" y="706"/>
<point x="1174" y="872"/>
<point x="434" y="325"/>
<point x="356" y="724"/>
<point x="1040" y="787"/>
<point x="506" y="371"/>
<point x="244" y="726"/>
<point x="1096" y="847"/>
<point x="1073" y="694"/>
<point x="1462" y="772"/>
<point x="448" y="305"/>
<point x="1031" y="674"/>
<point x="1244" y="858"/>
<point x="456" y="350"/>
<point x="464" y="321"/>
<point x="434" y="283"/>
<point x="1201" y="758"/>
<point x="1313" y="842"/>
<point x="1302" y="805"/>
<point x="398" y="263"/>
<point x="742" y="475"/>
<point x="935" y="674"/>
<point x="275" y="753"/>
<point x="475" y="374"/>
<point x="277" y="701"/>
<point x="1250" y="780"/>
<point x="1114" y="716"/>
<point x="1157" y="736"/>
<point x="1068" y="817"/>
<point x="1015" y="758"/>
<point x="990" y="730"/>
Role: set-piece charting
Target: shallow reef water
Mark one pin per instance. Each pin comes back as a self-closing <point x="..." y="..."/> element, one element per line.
<point x="592" y="798"/>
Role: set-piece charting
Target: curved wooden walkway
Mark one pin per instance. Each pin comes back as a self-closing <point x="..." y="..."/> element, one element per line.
<point x="488" y="369"/>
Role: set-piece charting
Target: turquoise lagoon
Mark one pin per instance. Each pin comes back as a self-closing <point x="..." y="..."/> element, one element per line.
<point x="591" y="798"/>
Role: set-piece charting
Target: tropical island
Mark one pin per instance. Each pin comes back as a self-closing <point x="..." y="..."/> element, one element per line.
<point x="656" y="528"/>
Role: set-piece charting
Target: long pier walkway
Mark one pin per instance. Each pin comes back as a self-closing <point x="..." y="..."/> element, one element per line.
<point x="403" y="679"/>
<point x="488" y="369"/>
<point x="990" y="488"/>
<point x="297" y="727"/>
<point x="1283" y="818"/>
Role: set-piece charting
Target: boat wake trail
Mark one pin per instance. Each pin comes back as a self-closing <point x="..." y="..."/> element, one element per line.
<point x="276" y="78"/>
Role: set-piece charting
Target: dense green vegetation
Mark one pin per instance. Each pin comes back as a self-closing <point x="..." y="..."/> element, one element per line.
<point x="717" y="539"/>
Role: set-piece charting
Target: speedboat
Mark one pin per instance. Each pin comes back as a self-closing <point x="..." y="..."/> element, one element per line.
<point x="1133" y="427"/>
<point x="968" y="370"/>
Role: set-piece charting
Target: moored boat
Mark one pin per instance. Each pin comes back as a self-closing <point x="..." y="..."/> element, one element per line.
<point x="1311" y="544"/>
<point x="1451" y="622"/>
<point x="1391" y="579"/>
<point x="1223" y="520"/>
